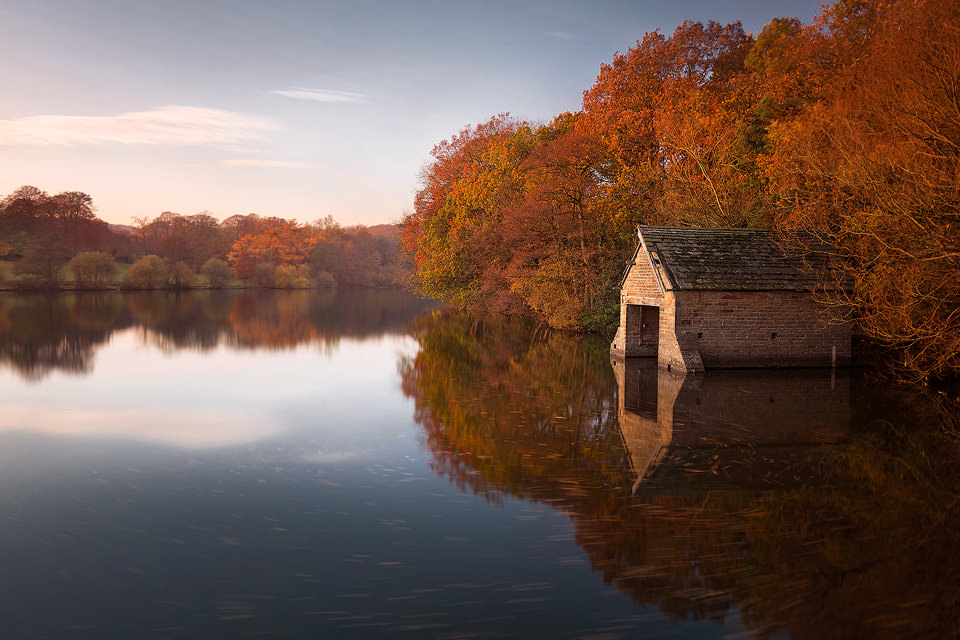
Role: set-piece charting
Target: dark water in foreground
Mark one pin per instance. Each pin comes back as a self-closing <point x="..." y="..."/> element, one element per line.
<point x="311" y="464"/>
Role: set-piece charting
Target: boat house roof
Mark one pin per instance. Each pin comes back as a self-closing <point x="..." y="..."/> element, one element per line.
<point x="738" y="259"/>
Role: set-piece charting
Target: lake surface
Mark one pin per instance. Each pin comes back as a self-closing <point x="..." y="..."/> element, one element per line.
<point x="365" y="464"/>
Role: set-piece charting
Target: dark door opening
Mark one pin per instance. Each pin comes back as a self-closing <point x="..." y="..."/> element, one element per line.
<point x="643" y="330"/>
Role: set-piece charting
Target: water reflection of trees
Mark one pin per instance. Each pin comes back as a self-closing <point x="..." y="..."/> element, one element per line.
<point x="40" y="333"/>
<point x="508" y="409"/>
<point x="44" y="333"/>
<point x="828" y="509"/>
<point x="174" y="320"/>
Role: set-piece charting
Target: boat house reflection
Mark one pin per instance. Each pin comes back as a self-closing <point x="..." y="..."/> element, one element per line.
<point x="675" y="425"/>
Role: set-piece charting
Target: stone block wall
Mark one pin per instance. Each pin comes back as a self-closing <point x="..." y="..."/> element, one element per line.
<point x="676" y="351"/>
<point x="639" y="289"/>
<point x="760" y="329"/>
<point x="641" y="282"/>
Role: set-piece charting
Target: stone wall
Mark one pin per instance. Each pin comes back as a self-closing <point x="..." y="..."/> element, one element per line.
<point x="639" y="289"/>
<point x="760" y="329"/>
<point x="677" y="352"/>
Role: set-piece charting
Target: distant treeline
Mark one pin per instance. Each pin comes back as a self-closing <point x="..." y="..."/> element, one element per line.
<point x="53" y="240"/>
<point x="848" y="126"/>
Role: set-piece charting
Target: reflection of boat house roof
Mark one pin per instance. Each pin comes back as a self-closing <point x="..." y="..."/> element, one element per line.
<point x="718" y="298"/>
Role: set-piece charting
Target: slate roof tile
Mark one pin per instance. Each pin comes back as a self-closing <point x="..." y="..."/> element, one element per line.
<point x="740" y="259"/>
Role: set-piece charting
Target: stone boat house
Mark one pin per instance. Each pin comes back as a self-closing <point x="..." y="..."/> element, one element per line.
<point x="701" y="299"/>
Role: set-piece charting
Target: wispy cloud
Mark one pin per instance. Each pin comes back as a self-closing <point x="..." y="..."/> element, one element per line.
<point x="322" y="95"/>
<point x="252" y="162"/>
<point x="562" y="35"/>
<point x="170" y="124"/>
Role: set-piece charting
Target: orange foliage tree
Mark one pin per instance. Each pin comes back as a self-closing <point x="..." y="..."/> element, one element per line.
<point x="874" y="164"/>
<point x="667" y="114"/>
<point x="562" y="247"/>
<point x="282" y="243"/>
<point x="454" y="231"/>
<point x="508" y="221"/>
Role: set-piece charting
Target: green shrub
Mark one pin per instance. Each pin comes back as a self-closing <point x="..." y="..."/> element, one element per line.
<point x="217" y="272"/>
<point x="290" y="277"/>
<point x="149" y="272"/>
<point x="92" y="269"/>
<point x="602" y="317"/>
<point x="182" y="276"/>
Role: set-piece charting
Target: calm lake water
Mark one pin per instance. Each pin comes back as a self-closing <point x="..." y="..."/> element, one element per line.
<point x="363" y="464"/>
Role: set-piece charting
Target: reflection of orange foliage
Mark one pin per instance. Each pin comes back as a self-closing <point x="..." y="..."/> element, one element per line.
<point x="281" y="321"/>
<point x="872" y="554"/>
<point x="530" y="425"/>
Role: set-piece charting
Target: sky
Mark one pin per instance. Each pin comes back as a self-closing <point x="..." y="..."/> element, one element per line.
<point x="293" y="108"/>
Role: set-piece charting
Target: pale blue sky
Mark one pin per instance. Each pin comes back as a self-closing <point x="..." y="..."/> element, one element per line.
<point x="292" y="108"/>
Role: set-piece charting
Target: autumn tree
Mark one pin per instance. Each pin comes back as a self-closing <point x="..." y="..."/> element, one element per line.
<point x="73" y="213"/>
<point x="285" y="242"/>
<point x="874" y="164"/>
<point x="518" y="219"/>
<point x="15" y="245"/>
<point x="781" y="65"/>
<point x="325" y="280"/>
<point x="263" y="275"/>
<point x="176" y="238"/>
<point x="181" y="276"/>
<point x="327" y="254"/>
<point x="30" y="212"/>
<point x="149" y="272"/>
<point x="667" y="114"/>
<point x="217" y="272"/>
<point x="454" y="231"/>
<point x="359" y="260"/>
<point x="289" y="277"/>
<point x="44" y="261"/>
<point x="510" y="219"/>
<point x="25" y="210"/>
<point x="359" y="256"/>
<point x="92" y="269"/>
<point x="562" y="250"/>
<point x="237" y="226"/>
